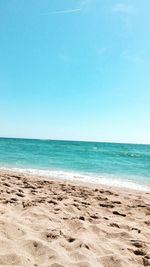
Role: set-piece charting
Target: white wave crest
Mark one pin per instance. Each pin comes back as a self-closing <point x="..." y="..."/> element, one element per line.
<point x="109" y="180"/>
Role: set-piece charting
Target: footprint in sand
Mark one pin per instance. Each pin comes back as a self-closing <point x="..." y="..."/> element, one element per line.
<point x="50" y="235"/>
<point x="119" y="213"/>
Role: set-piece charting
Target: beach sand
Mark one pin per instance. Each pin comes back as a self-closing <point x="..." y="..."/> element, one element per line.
<point x="59" y="223"/>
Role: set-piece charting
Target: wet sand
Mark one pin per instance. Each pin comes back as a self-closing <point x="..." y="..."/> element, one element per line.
<point x="64" y="224"/>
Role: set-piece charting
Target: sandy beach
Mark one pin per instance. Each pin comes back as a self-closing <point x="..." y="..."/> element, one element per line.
<point x="64" y="224"/>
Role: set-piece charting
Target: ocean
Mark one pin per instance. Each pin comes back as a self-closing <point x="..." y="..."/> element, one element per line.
<point x="122" y="165"/>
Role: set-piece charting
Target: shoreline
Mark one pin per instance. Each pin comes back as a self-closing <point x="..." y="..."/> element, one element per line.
<point x="83" y="184"/>
<point x="81" y="178"/>
<point x="46" y="222"/>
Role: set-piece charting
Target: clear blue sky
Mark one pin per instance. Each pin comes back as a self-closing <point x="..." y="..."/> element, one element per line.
<point x="75" y="69"/>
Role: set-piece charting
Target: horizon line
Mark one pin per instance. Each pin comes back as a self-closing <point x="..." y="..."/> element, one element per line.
<point x="73" y="140"/>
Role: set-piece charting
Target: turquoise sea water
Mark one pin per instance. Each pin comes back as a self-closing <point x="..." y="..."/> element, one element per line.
<point x="124" y="165"/>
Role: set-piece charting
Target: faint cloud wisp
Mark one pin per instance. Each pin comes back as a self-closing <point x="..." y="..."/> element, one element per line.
<point x="82" y="5"/>
<point x="65" y="11"/>
<point x="124" y="9"/>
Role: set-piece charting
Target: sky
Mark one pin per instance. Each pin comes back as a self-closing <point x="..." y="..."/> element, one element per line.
<point x="75" y="70"/>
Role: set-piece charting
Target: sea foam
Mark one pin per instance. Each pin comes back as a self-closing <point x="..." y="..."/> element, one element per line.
<point x="108" y="180"/>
